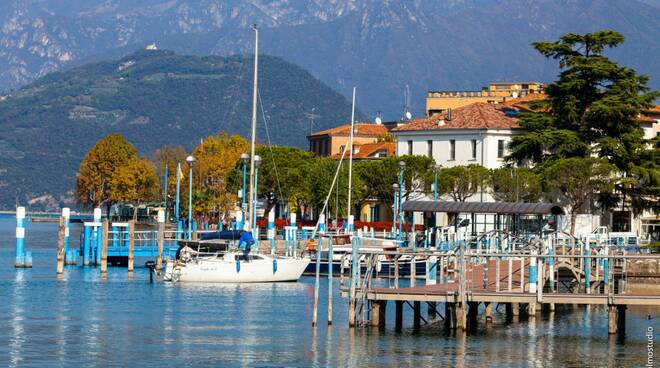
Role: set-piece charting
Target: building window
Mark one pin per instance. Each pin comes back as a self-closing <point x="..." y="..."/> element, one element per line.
<point x="500" y="148"/>
<point x="429" y="146"/>
<point x="342" y="148"/>
<point x="474" y="149"/>
<point x="452" y="149"/>
<point x="410" y="147"/>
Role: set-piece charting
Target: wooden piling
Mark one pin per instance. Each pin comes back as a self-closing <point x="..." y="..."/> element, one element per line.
<point x="612" y="319"/>
<point x="396" y="271"/>
<point x="378" y="313"/>
<point x="515" y="309"/>
<point x="489" y="312"/>
<point x="131" y="244"/>
<point x="431" y="310"/>
<point x="104" y="247"/>
<point x="161" y="245"/>
<point x="450" y="316"/>
<point x="461" y="316"/>
<point x="413" y="271"/>
<point x="60" y="246"/>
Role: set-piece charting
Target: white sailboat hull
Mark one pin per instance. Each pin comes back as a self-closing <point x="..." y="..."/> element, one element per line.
<point x="226" y="270"/>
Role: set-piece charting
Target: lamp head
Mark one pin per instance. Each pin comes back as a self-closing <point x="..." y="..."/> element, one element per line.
<point x="395" y="186"/>
<point x="190" y="159"/>
<point x="244" y="157"/>
<point x="402" y="165"/>
<point x="257" y="160"/>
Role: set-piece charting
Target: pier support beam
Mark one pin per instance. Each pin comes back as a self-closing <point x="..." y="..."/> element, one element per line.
<point x="399" y="316"/>
<point x="378" y="313"/>
<point x="616" y="321"/>
<point x="472" y="313"/>
<point x="489" y="312"/>
<point x="431" y="311"/>
<point x="417" y="314"/>
<point x="450" y="316"/>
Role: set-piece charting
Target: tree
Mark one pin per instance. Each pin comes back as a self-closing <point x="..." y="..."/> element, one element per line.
<point x="514" y="184"/>
<point x="97" y="169"/>
<point x="578" y="179"/>
<point x="462" y="182"/>
<point x="215" y="158"/>
<point x="593" y="109"/>
<point x="134" y="182"/>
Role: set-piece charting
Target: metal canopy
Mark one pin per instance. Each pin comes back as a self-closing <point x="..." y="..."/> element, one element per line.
<point x="517" y="208"/>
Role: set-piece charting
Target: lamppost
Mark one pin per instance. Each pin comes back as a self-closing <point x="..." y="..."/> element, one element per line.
<point x="402" y="167"/>
<point x="395" y="189"/>
<point x="244" y="157"/>
<point x="436" y="169"/>
<point x="257" y="162"/>
<point x="190" y="160"/>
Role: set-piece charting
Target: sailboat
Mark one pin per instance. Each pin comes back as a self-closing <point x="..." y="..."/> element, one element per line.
<point x="235" y="266"/>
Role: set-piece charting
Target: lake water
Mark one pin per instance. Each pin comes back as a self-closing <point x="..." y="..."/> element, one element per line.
<point x="84" y="321"/>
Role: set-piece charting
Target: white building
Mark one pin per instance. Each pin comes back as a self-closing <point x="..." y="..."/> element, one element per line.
<point x="474" y="134"/>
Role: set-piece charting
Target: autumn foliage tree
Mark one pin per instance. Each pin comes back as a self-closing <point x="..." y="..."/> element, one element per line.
<point x="135" y="183"/>
<point x="94" y="177"/>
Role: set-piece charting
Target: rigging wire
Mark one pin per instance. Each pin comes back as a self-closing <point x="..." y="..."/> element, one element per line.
<point x="270" y="147"/>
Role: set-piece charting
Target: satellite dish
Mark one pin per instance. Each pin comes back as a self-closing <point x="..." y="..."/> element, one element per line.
<point x="514" y="95"/>
<point x="379" y="120"/>
<point x="408" y="115"/>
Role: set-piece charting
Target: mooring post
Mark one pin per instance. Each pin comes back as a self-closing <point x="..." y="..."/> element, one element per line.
<point x="131" y="244"/>
<point x="316" y="283"/>
<point x="399" y="315"/>
<point x="606" y="272"/>
<point x="532" y="272"/>
<point x="587" y="268"/>
<point x="20" y="237"/>
<point x="270" y="234"/>
<point x="396" y="271"/>
<point x="522" y="274"/>
<point x="330" y="258"/>
<point x="161" y="239"/>
<point x="87" y="242"/>
<point x="294" y="235"/>
<point x="355" y="267"/>
<point x="350" y="224"/>
<point x="96" y="244"/>
<point x="60" y="246"/>
<point x="461" y="316"/>
<point x="413" y="271"/>
<point x="104" y="247"/>
<point x="66" y="213"/>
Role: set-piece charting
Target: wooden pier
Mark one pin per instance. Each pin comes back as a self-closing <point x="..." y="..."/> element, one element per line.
<point x="524" y="282"/>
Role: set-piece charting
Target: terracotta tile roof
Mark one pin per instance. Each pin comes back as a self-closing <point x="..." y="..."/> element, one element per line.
<point x="655" y="110"/>
<point x="475" y="116"/>
<point x="361" y="129"/>
<point x="367" y="150"/>
<point x="522" y="103"/>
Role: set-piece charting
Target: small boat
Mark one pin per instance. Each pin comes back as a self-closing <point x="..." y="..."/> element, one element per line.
<point x="233" y="267"/>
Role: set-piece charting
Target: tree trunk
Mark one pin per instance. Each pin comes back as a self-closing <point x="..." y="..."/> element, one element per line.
<point x="573" y="216"/>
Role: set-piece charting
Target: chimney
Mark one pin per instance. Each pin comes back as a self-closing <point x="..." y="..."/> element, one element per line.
<point x="449" y="114"/>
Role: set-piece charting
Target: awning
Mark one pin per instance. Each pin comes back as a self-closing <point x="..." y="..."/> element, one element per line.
<point x="511" y="208"/>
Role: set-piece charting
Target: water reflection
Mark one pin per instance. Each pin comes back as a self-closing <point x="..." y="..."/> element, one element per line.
<point x="80" y="320"/>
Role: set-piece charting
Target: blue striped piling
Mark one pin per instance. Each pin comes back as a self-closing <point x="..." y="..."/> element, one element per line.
<point x="239" y="220"/>
<point x="355" y="265"/>
<point x="587" y="268"/>
<point x="97" y="236"/>
<point x="606" y="270"/>
<point x="271" y="231"/>
<point x="294" y="233"/>
<point x="87" y="241"/>
<point x="316" y="282"/>
<point x="532" y="273"/>
<point x="350" y="224"/>
<point x="322" y="224"/>
<point x="20" y="237"/>
<point x="115" y="236"/>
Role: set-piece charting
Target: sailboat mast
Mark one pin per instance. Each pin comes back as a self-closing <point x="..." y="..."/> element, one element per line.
<point x="350" y="159"/>
<point x="252" y="216"/>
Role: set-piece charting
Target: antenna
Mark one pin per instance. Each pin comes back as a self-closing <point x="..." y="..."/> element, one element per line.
<point x="311" y="115"/>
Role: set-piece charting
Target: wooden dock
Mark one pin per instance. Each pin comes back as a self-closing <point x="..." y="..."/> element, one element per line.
<point x="525" y="283"/>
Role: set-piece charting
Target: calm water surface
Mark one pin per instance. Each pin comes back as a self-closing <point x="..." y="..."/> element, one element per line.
<point x="84" y="321"/>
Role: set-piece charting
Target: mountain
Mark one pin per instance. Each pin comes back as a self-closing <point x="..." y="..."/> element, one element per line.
<point x="153" y="98"/>
<point x="377" y="45"/>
